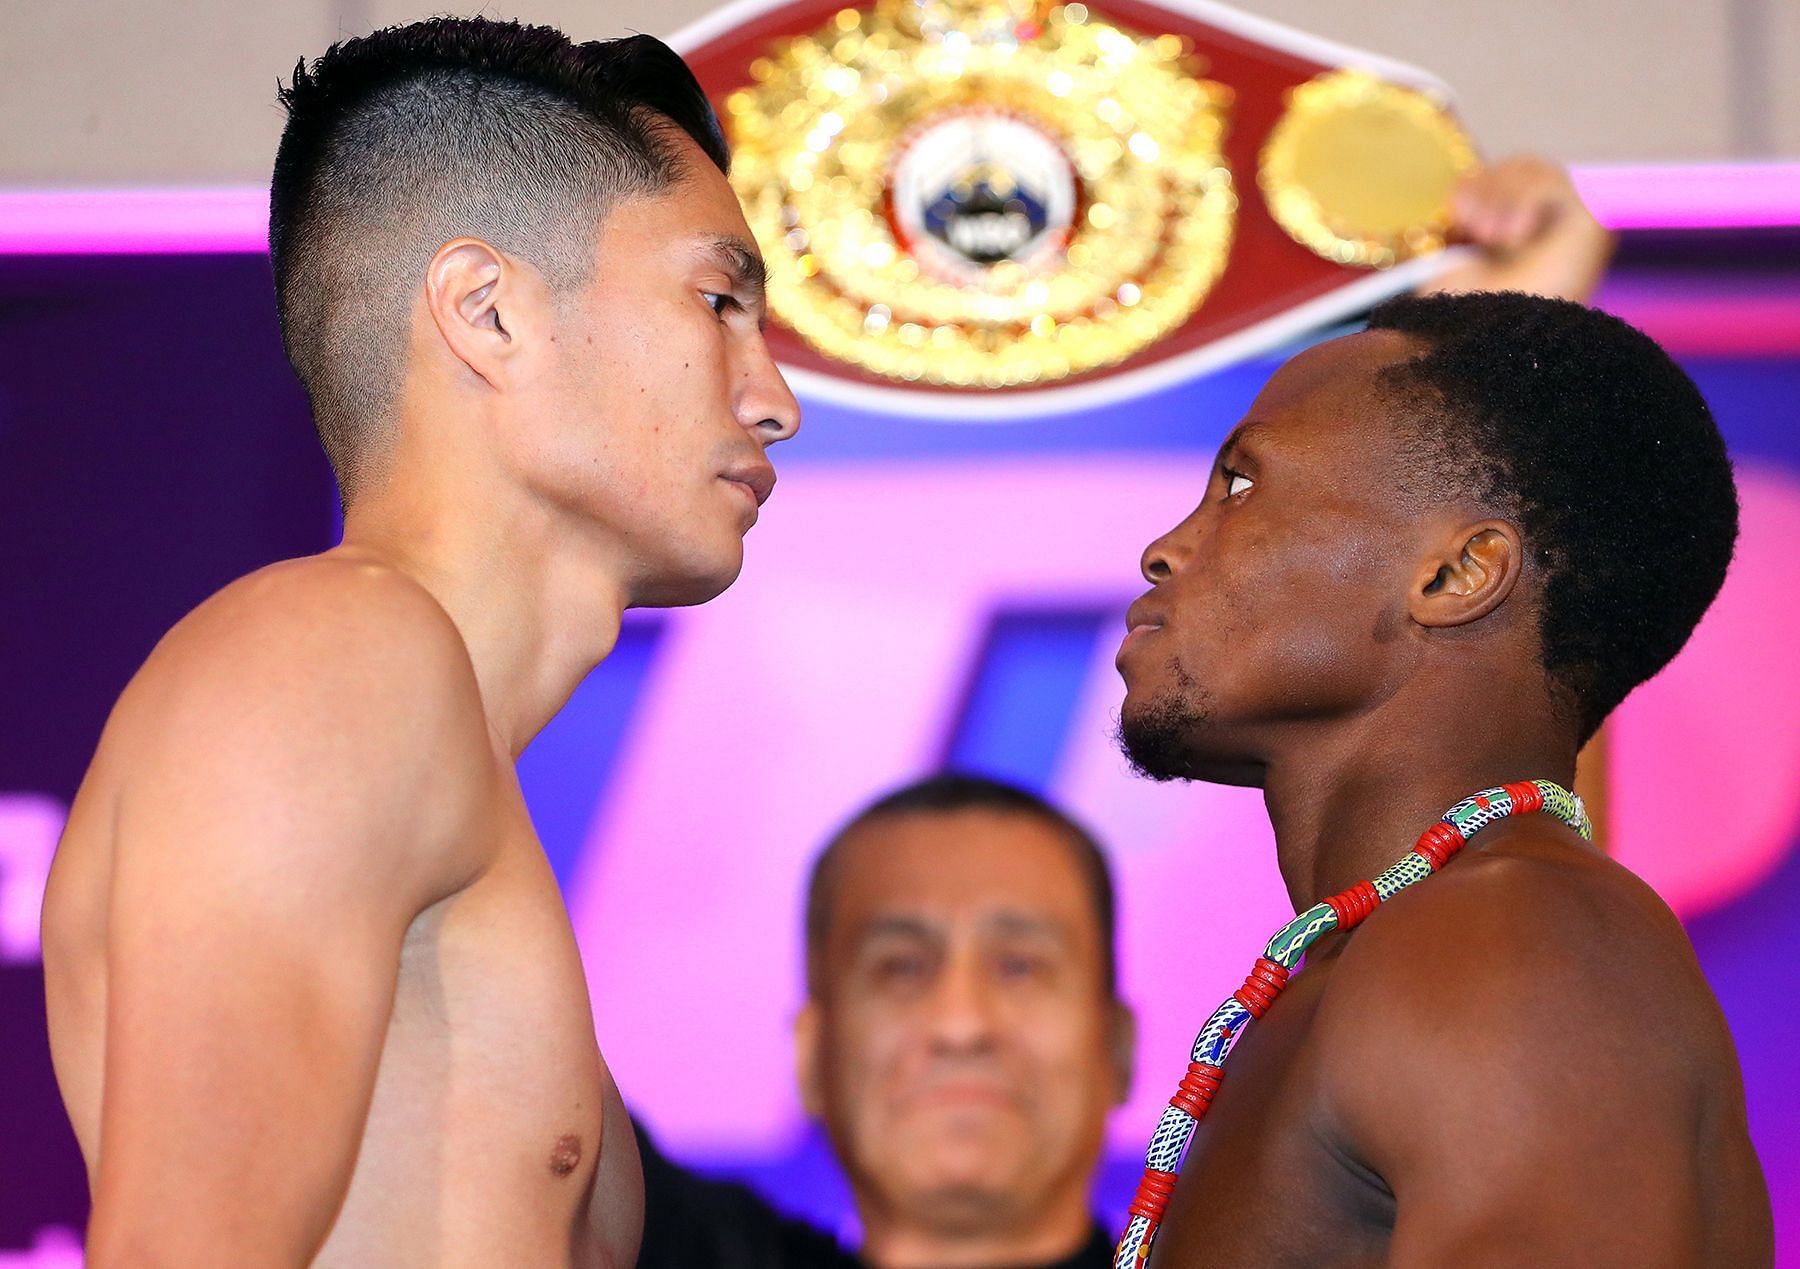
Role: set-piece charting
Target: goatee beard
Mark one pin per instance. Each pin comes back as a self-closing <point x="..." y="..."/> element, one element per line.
<point x="1157" y="740"/>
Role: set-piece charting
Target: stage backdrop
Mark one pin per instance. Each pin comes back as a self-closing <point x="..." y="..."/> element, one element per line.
<point x="918" y="594"/>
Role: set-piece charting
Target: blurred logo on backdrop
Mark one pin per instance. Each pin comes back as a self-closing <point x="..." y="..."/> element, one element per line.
<point x="990" y="208"/>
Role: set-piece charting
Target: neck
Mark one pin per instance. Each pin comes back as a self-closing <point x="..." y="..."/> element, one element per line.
<point x="1055" y="1231"/>
<point x="538" y="606"/>
<point x="1345" y="805"/>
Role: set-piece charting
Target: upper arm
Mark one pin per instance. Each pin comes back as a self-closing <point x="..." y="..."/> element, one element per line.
<point x="1519" y="1073"/>
<point x="286" y="809"/>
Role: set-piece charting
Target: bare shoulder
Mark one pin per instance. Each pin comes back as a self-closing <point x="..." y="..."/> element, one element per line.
<point x="334" y="683"/>
<point x="1528" y="1025"/>
<point x="1536" y="981"/>
<point x="1534" y="938"/>
<point x="340" y="616"/>
<point x="1538" y="917"/>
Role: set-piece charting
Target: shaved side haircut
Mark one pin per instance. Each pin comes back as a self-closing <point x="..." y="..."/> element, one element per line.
<point x="411" y="137"/>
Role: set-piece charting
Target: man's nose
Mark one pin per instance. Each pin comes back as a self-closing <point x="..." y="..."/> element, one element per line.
<point x="1159" y="561"/>
<point x="1174" y="550"/>
<point x="962" y="1006"/>
<point x="765" y="404"/>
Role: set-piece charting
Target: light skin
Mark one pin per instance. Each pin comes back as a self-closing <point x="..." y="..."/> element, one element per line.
<point x="313" y="994"/>
<point x="1515" y="1063"/>
<point x="960" y="1043"/>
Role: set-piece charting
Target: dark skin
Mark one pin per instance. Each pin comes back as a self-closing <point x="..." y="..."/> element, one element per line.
<point x="1516" y="1062"/>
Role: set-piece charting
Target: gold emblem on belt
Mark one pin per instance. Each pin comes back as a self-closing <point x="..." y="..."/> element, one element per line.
<point x="977" y="193"/>
<point x="1361" y="170"/>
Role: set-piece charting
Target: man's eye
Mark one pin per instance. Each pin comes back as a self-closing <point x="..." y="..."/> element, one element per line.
<point x="1020" y="966"/>
<point x="719" y="303"/>
<point x="900" y="968"/>
<point x="1236" y="483"/>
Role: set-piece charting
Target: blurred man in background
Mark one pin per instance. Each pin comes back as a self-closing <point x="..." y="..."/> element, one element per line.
<point x="962" y="1041"/>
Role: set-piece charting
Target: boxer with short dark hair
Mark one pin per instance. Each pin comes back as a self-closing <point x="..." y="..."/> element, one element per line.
<point x="1429" y="562"/>
<point x="313" y="994"/>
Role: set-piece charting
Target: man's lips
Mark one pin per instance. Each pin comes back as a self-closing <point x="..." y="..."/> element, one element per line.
<point x="1141" y="616"/>
<point x="757" y="477"/>
<point x="962" y="1093"/>
<point x="1140" y="622"/>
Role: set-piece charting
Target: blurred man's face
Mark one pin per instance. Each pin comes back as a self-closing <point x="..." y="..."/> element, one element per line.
<point x="963" y="1049"/>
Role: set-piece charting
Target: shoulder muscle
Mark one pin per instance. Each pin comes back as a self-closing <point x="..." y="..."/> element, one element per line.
<point x="1525" y="1028"/>
<point x="323" y="701"/>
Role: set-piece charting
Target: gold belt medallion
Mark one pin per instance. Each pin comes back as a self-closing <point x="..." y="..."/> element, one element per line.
<point x="982" y="193"/>
<point x="1361" y="170"/>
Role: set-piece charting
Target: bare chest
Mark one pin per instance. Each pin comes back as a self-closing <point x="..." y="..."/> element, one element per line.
<point x="494" y="1121"/>
<point x="1263" y="1183"/>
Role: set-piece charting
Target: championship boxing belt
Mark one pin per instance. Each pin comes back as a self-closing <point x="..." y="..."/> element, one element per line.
<point x="1001" y="208"/>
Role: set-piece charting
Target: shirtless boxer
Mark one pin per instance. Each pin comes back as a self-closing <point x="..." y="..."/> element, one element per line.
<point x="313" y="993"/>
<point x="1430" y="560"/>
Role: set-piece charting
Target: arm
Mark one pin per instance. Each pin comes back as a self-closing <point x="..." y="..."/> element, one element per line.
<point x="1523" y="1068"/>
<point x="288" y="809"/>
<point x="1534" y="233"/>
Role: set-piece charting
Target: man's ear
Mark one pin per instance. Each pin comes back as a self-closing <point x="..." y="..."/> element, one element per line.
<point x="1469" y="576"/>
<point x="1121" y="1047"/>
<point x="808" y="1039"/>
<point x="477" y="297"/>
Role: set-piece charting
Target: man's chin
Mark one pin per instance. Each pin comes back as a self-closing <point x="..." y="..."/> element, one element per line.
<point x="964" y="1208"/>
<point x="964" y="1186"/>
<point x="686" y="587"/>
<point x="1170" y="738"/>
<point x="1157" y="737"/>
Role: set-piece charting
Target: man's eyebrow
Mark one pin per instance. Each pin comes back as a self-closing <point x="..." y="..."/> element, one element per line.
<point x="1017" y="924"/>
<point x="1241" y="435"/>
<point x="894" y="925"/>
<point x="742" y="261"/>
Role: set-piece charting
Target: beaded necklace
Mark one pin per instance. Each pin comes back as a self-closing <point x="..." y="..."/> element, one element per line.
<point x="1342" y="911"/>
